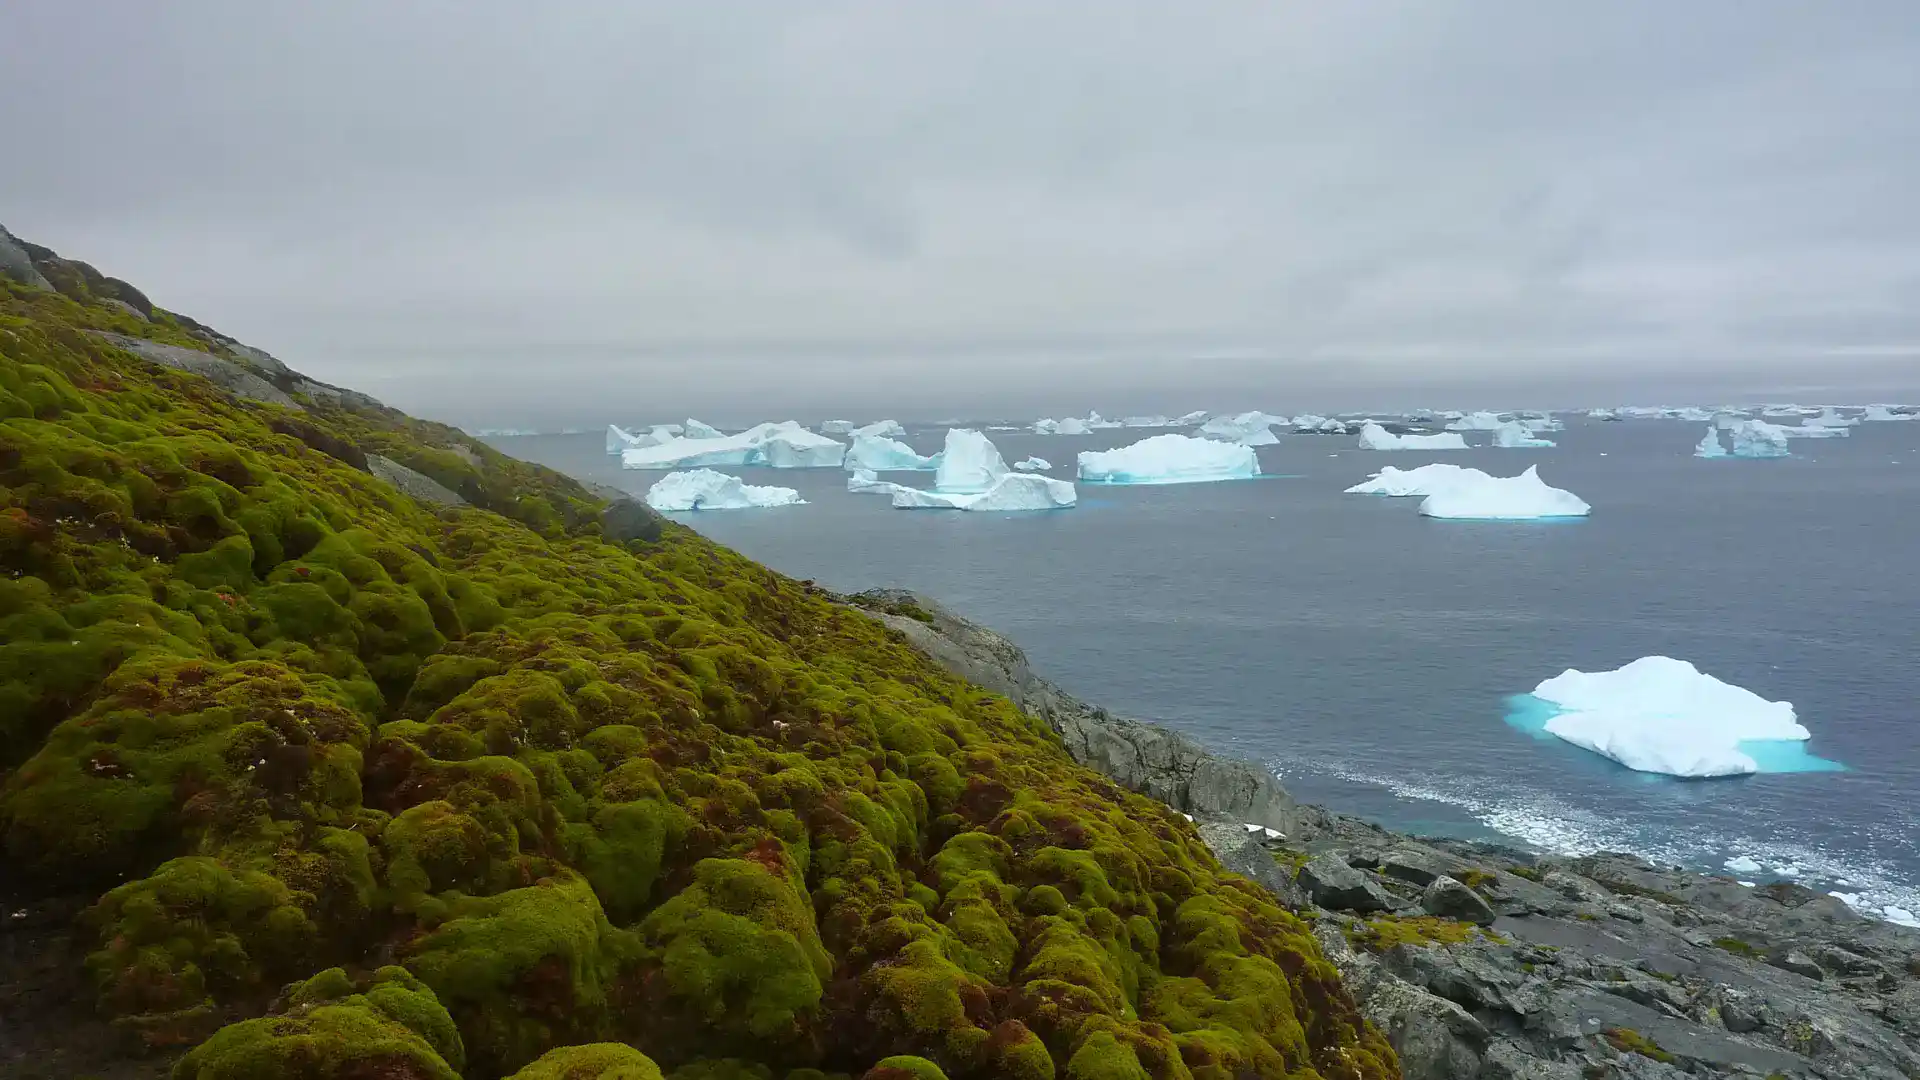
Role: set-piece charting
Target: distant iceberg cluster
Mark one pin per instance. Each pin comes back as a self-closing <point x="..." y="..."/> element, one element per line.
<point x="1375" y="437"/>
<point x="704" y="489"/>
<point x="970" y="474"/>
<point x="1169" y="459"/>
<point x="784" y="445"/>
<point x="1662" y="715"/>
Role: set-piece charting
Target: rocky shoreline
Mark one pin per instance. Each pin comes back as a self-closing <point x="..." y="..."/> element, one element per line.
<point x="1488" y="963"/>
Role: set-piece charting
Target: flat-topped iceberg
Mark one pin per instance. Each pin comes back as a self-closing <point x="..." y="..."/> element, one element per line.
<point x="1515" y="435"/>
<point x="1757" y="439"/>
<point x="1477" y="421"/>
<point x="1882" y="414"/>
<point x="1013" y="491"/>
<point x="704" y="489"/>
<point x="1423" y="481"/>
<point x="970" y="463"/>
<point x="1663" y="715"/>
<point x="1146" y="421"/>
<point x="1169" y="459"/>
<point x="837" y="427"/>
<point x="1829" y="419"/>
<point x="882" y="454"/>
<point x="882" y="429"/>
<point x="1709" y="446"/>
<point x="1247" y="429"/>
<point x="784" y="445"/>
<point x="1505" y="498"/>
<point x="1375" y="437"/>
<point x="1033" y="464"/>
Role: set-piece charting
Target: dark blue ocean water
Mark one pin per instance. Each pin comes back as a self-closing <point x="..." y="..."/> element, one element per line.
<point x="1367" y="653"/>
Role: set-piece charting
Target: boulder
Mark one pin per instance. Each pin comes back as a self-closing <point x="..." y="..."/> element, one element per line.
<point x="1331" y="883"/>
<point x="1450" y="899"/>
<point x="627" y="518"/>
<point x="17" y="265"/>
<point x="416" y="484"/>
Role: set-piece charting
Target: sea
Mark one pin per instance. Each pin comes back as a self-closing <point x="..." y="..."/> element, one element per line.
<point x="1371" y="657"/>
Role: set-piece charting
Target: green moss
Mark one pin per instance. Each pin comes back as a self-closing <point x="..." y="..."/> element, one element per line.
<point x="1629" y="1041"/>
<point x="281" y="717"/>
<point x="1385" y="932"/>
<point x="394" y="1028"/>
<point x="1737" y="947"/>
<point x="595" y="1061"/>
<point x="904" y="1067"/>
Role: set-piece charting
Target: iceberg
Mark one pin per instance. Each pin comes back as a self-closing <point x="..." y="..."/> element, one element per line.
<point x="1515" y="435"/>
<point x="969" y="464"/>
<point x="837" y="427"/>
<point x="1192" y="419"/>
<point x="882" y="429"/>
<point x="1601" y="414"/>
<point x="882" y="454"/>
<point x="1662" y="715"/>
<point x="694" y="429"/>
<point x="1757" y="439"/>
<point x="1012" y="491"/>
<point x="867" y="482"/>
<point x="1423" y="481"/>
<point x="1071" y="426"/>
<point x="1045" y="427"/>
<point x="618" y="439"/>
<point x="1169" y="459"/>
<point x="1710" y="445"/>
<point x="1146" y="421"/>
<point x="784" y="445"/>
<point x="1828" y="419"/>
<point x="1690" y="414"/>
<point x="1094" y="421"/>
<point x="1247" y="429"/>
<point x="1882" y="414"/>
<point x="1375" y="437"/>
<point x="704" y="489"/>
<point x="1506" y="498"/>
<point x="1479" y="421"/>
<point x="1033" y="464"/>
<point x="1309" y="424"/>
<point x="1816" y="432"/>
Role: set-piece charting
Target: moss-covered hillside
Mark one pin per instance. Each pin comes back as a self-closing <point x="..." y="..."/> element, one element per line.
<point x="438" y="792"/>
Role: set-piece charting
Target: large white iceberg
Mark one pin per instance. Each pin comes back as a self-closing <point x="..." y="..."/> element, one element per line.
<point x="618" y="439"/>
<point x="1423" y="481"/>
<point x="1663" y="715"/>
<point x="694" y="429"/>
<point x="1375" y="437"/>
<point x="837" y="427"/>
<point x="1515" y="435"/>
<point x="1033" y="464"/>
<point x="1478" y="421"/>
<point x="1709" y="446"/>
<point x="1247" y="429"/>
<point x="1169" y="459"/>
<point x="1045" y="426"/>
<point x="784" y="445"/>
<point x="1507" y="498"/>
<point x="882" y="454"/>
<point x="1757" y="439"/>
<point x="1792" y="432"/>
<point x="704" y="489"/>
<point x="1012" y="491"/>
<point x="1882" y="414"/>
<point x="969" y="464"/>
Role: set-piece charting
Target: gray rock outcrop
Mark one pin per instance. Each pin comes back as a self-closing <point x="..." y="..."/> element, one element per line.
<point x="227" y="374"/>
<point x="16" y="264"/>
<point x="1330" y="883"/>
<point x="627" y="518"/>
<point x="413" y="483"/>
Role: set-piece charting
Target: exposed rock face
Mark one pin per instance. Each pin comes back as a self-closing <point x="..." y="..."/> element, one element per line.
<point x="226" y="374"/>
<point x="16" y="264"/>
<point x="418" y="485"/>
<point x="1143" y="757"/>
<point x="1518" y="966"/>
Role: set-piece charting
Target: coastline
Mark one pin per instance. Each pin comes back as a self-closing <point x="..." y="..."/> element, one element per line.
<point x="1487" y="960"/>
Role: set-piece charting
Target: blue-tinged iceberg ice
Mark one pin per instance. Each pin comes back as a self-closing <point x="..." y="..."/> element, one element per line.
<point x="704" y="489"/>
<point x="882" y="429"/>
<point x="1709" y="446"/>
<point x="784" y="445"/>
<point x="1045" y="426"/>
<point x="1375" y="437"/>
<point x="618" y="439"/>
<point x="837" y="427"/>
<point x="1757" y="439"/>
<point x="1033" y="464"/>
<point x="1423" y="481"/>
<point x="1663" y="715"/>
<point x="1012" y="491"/>
<point x="969" y="464"/>
<point x="1477" y="421"/>
<point x="867" y="482"/>
<point x="1169" y="459"/>
<point x="1506" y="498"/>
<point x="1247" y="429"/>
<point x="1515" y="435"/>
<point x="694" y="429"/>
<point x="882" y="454"/>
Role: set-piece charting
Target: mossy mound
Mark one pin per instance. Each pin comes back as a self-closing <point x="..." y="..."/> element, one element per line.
<point x="280" y="717"/>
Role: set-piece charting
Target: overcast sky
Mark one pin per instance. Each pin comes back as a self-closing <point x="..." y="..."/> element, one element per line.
<point x="493" y="208"/>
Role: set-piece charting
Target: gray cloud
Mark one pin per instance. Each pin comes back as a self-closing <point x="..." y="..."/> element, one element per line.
<point x="497" y="207"/>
